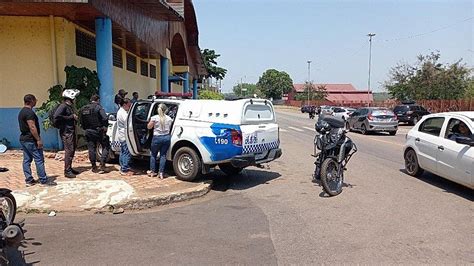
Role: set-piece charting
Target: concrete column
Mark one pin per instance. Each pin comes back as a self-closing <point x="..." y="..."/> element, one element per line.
<point x="105" y="71"/>
<point x="186" y="82"/>
<point x="195" y="89"/>
<point x="164" y="65"/>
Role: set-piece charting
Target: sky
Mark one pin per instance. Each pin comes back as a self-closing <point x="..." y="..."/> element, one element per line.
<point x="255" y="35"/>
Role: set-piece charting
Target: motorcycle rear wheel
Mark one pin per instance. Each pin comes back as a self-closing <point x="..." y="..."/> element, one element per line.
<point x="8" y="208"/>
<point x="330" y="179"/>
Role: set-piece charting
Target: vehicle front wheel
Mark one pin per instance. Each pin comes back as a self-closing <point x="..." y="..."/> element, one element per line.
<point x="186" y="164"/>
<point x="392" y="133"/>
<point x="331" y="177"/>
<point x="111" y="158"/>
<point x="348" y="126"/>
<point x="8" y="208"/>
<point x="411" y="163"/>
<point x="230" y="170"/>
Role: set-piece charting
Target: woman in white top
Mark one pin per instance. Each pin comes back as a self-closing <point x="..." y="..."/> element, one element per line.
<point x="161" y="125"/>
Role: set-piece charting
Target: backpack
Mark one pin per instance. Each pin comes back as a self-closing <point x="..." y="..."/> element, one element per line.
<point x="53" y="121"/>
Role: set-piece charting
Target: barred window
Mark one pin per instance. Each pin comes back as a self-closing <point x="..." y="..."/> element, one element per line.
<point x="117" y="57"/>
<point x="152" y="71"/>
<point x="131" y="63"/>
<point x="144" y="68"/>
<point x="85" y="45"/>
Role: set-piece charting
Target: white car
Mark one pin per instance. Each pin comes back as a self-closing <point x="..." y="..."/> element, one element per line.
<point x="442" y="144"/>
<point x="206" y="133"/>
<point x="342" y="112"/>
<point x="327" y="110"/>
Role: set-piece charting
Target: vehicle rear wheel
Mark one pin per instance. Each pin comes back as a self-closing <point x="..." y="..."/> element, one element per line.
<point x="363" y="130"/>
<point x="411" y="163"/>
<point x="186" y="164"/>
<point x="348" y="126"/>
<point x="392" y="133"/>
<point x="330" y="179"/>
<point x="98" y="151"/>
<point x="230" y="170"/>
<point x="414" y="121"/>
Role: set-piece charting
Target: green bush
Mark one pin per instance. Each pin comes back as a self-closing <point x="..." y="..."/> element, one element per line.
<point x="210" y="95"/>
<point x="82" y="79"/>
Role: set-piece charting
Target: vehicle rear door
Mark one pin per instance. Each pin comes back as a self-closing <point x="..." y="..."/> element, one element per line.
<point x="259" y="128"/>
<point x="138" y="135"/>
<point x="426" y="142"/>
<point x="455" y="161"/>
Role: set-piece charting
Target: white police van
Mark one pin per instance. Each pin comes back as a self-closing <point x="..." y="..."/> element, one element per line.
<point x="206" y="133"/>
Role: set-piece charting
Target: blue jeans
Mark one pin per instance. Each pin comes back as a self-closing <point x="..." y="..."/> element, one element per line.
<point x="125" y="156"/>
<point x="30" y="153"/>
<point x="159" y="144"/>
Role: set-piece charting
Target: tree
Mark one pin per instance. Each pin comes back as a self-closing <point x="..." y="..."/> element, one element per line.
<point x="210" y="95"/>
<point x="210" y="62"/>
<point x="274" y="83"/>
<point x="315" y="92"/>
<point x="246" y="89"/>
<point x="429" y="79"/>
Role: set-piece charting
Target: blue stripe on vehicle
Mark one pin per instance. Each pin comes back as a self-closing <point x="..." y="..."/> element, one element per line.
<point x="219" y="151"/>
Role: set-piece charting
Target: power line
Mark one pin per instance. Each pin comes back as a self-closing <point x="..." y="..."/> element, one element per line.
<point x="429" y="32"/>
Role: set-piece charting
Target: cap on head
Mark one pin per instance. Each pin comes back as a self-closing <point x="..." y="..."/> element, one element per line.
<point x="122" y="92"/>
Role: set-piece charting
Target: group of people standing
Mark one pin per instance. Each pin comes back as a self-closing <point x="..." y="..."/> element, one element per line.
<point x="94" y="121"/>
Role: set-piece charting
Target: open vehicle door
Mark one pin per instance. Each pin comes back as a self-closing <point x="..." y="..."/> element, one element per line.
<point x="138" y="136"/>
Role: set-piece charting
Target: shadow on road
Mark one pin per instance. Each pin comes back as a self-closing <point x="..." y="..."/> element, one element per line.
<point x="323" y="194"/>
<point x="17" y="256"/>
<point x="247" y="179"/>
<point x="447" y="185"/>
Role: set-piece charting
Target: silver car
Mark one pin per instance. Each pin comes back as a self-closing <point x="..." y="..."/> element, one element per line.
<point x="373" y="119"/>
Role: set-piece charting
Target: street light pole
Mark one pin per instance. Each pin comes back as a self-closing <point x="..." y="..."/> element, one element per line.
<point x="309" y="78"/>
<point x="370" y="35"/>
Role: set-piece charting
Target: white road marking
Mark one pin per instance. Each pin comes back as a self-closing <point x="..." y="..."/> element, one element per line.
<point x="308" y="128"/>
<point x="283" y="130"/>
<point x="296" y="129"/>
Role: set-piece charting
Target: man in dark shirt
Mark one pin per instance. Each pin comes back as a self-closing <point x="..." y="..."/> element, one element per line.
<point x="135" y="97"/>
<point x="31" y="143"/>
<point x="95" y="122"/>
<point x="66" y="119"/>
<point x="119" y="98"/>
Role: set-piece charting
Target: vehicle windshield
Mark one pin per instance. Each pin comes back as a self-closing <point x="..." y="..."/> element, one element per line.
<point x="380" y="112"/>
<point x="401" y="108"/>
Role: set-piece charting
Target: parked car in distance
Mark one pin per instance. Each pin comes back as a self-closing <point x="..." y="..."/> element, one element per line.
<point x="373" y="119"/>
<point x="327" y="110"/>
<point x="410" y="112"/>
<point x="343" y="112"/>
<point x="442" y="144"/>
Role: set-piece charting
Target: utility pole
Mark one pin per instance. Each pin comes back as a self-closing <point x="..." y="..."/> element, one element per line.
<point x="309" y="78"/>
<point x="370" y="35"/>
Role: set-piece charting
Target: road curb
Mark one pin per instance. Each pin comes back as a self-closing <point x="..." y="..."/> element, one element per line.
<point x="165" y="199"/>
<point x="138" y="203"/>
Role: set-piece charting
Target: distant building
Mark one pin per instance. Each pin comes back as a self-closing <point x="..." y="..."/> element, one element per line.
<point x="143" y="46"/>
<point x="339" y="94"/>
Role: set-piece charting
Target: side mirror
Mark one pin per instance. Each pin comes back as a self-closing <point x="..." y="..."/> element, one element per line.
<point x="465" y="141"/>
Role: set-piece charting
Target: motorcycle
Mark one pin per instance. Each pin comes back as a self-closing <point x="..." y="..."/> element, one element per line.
<point x="332" y="149"/>
<point x="11" y="233"/>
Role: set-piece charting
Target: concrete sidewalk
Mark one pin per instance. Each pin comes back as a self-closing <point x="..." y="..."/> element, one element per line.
<point x="91" y="191"/>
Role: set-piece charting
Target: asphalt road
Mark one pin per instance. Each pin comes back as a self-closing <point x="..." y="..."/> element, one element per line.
<point x="277" y="215"/>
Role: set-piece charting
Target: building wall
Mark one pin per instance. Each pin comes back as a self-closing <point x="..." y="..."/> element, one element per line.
<point x="25" y="59"/>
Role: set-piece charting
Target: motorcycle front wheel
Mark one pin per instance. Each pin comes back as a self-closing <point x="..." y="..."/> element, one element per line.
<point x="8" y="208"/>
<point x="330" y="177"/>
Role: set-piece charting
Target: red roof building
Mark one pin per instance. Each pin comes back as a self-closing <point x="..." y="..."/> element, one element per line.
<point x="338" y="93"/>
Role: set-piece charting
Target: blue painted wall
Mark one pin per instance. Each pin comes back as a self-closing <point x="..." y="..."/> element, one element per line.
<point x="10" y="130"/>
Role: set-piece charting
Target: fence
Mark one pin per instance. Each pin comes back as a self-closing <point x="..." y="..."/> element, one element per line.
<point x="434" y="106"/>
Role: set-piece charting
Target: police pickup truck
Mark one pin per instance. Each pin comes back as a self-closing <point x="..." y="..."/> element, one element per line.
<point x="205" y="134"/>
